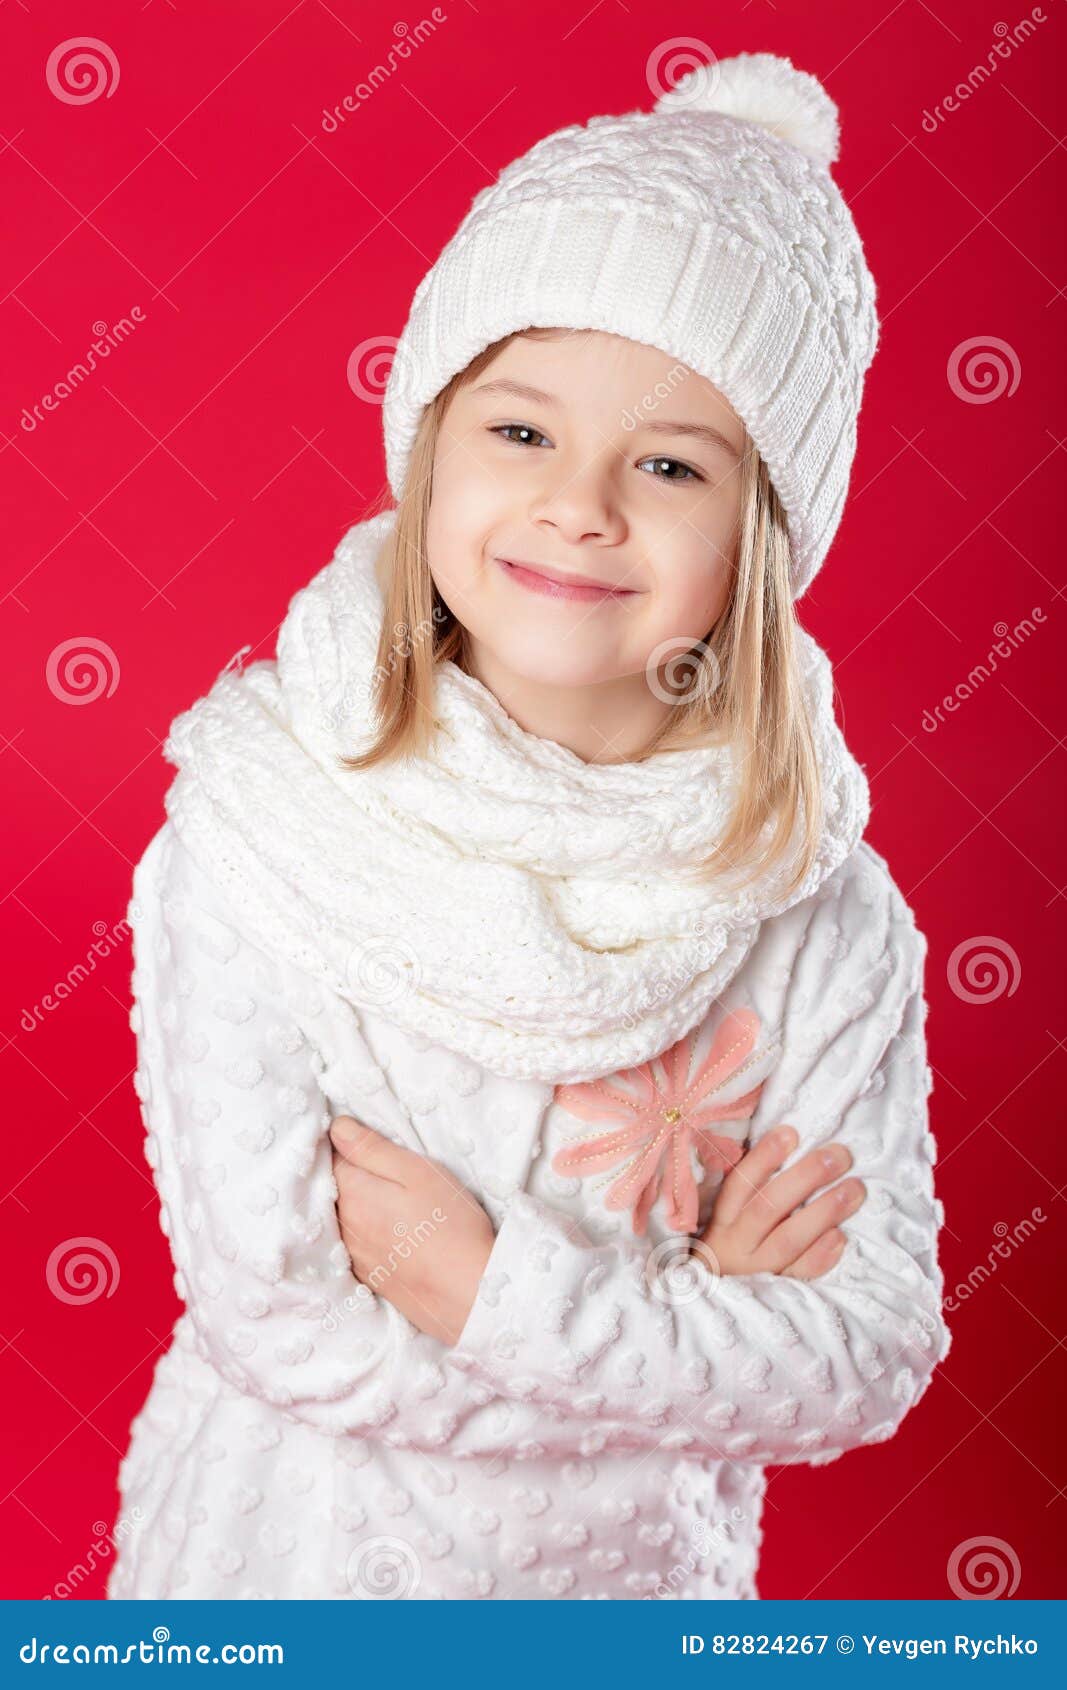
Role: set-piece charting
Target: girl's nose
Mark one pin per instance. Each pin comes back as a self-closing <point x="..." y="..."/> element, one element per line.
<point x="581" y="502"/>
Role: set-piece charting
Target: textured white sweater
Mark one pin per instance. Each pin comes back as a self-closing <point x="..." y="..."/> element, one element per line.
<point x="599" y="1431"/>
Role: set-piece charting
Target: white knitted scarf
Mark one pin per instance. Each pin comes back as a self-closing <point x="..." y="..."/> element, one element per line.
<point x="500" y="896"/>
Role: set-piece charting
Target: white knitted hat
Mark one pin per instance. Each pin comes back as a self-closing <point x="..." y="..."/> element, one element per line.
<point x="710" y="228"/>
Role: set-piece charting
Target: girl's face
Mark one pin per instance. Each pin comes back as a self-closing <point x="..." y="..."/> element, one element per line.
<point x="588" y="456"/>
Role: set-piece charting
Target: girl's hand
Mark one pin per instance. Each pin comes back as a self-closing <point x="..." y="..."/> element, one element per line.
<point x="413" y="1233"/>
<point x="757" y="1225"/>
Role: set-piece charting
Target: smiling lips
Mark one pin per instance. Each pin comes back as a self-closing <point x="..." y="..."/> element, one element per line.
<point x="557" y="586"/>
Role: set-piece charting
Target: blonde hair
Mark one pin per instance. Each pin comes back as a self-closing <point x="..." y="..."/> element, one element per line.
<point x="742" y="682"/>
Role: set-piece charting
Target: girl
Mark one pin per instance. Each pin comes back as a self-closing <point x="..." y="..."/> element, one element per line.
<point x="531" y="1049"/>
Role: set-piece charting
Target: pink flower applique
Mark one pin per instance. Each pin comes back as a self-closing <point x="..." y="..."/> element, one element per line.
<point x="658" y="1124"/>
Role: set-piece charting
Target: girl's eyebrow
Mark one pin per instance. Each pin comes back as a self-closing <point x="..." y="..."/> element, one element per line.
<point x="699" y="431"/>
<point x="516" y="390"/>
<point x="535" y="396"/>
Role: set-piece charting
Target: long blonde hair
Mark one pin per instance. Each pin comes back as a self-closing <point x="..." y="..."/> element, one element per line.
<point x="742" y="682"/>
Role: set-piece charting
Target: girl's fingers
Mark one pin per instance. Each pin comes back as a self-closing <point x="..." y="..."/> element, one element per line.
<point x="752" y="1173"/>
<point x="783" y="1193"/>
<point x="818" y="1258"/>
<point x="357" y="1186"/>
<point x="787" y="1242"/>
<point x="365" y="1148"/>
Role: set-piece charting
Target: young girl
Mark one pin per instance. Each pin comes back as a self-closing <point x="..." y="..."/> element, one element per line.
<point x="531" y="1049"/>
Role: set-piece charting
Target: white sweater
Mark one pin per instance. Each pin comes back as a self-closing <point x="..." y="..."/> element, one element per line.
<point x="588" y="1437"/>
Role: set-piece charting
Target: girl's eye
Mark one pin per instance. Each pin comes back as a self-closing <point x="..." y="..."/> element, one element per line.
<point x="668" y="464"/>
<point x="690" y="474"/>
<point x="520" y="428"/>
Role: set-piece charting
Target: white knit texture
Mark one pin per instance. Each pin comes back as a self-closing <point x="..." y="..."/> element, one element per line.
<point x="532" y="911"/>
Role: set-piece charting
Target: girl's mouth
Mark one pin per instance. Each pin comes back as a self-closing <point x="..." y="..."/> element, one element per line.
<point x="535" y="582"/>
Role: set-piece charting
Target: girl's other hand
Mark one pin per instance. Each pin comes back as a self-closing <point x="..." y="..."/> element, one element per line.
<point x="757" y="1224"/>
<point x="414" y="1234"/>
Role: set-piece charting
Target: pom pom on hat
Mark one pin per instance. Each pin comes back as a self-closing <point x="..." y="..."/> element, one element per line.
<point x="766" y="89"/>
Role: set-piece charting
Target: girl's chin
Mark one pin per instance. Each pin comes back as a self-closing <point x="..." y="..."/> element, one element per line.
<point x="527" y="669"/>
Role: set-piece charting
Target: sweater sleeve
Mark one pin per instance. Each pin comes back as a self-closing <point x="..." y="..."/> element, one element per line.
<point x="237" y="1123"/>
<point x="759" y="1368"/>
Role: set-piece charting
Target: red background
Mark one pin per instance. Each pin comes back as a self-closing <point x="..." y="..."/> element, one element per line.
<point x="172" y="505"/>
